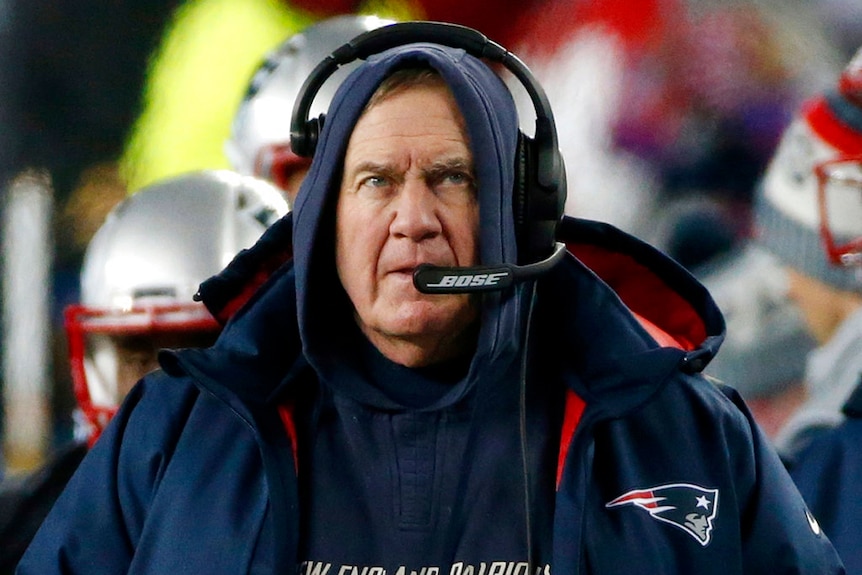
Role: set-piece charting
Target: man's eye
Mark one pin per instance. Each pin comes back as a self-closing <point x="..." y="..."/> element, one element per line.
<point x="456" y="180"/>
<point x="376" y="181"/>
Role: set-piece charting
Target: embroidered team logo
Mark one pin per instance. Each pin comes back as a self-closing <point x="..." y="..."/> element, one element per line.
<point x="689" y="507"/>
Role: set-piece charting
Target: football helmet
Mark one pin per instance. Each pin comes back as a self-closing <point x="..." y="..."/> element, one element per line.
<point x="259" y="143"/>
<point x="140" y="272"/>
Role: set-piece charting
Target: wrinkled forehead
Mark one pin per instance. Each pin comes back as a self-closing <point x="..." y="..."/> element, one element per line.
<point x="478" y="91"/>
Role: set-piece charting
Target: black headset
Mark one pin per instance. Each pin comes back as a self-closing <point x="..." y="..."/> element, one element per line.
<point x="540" y="177"/>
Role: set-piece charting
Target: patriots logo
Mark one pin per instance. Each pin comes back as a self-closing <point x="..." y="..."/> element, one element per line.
<point x="689" y="507"/>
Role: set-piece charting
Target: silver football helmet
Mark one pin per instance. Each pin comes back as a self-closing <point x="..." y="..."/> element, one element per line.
<point x="141" y="270"/>
<point x="259" y="143"/>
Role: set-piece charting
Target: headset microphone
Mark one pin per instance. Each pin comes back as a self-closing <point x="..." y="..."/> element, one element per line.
<point x="449" y="280"/>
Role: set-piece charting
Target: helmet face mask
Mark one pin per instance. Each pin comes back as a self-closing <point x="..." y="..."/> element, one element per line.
<point x="140" y="273"/>
<point x="839" y="184"/>
<point x="110" y="349"/>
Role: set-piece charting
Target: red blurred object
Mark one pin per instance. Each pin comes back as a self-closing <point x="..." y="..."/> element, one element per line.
<point x="325" y="8"/>
<point x="552" y="23"/>
<point x="494" y="19"/>
<point x="850" y="83"/>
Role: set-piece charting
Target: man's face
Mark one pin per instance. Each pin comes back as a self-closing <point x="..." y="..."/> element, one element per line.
<point x="408" y="197"/>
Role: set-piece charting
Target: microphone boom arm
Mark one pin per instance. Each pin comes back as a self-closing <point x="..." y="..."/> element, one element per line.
<point x="452" y="280"/>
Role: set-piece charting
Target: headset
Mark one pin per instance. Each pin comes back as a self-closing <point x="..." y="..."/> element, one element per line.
<point x="540" y="178"/>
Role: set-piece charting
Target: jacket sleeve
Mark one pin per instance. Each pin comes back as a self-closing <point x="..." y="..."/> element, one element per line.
<point x="95" y="523"/>
<point x="780" y="535"/>
<point x="828" y="476"/>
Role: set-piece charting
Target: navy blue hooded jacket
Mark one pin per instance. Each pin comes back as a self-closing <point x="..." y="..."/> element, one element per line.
<point x="655" y="469"/>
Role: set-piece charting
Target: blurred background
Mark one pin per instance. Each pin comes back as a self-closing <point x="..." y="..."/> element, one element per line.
<point x="661" y="106"/>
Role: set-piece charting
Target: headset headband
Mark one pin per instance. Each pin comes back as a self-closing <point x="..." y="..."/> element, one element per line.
<point x="453" y="36"/>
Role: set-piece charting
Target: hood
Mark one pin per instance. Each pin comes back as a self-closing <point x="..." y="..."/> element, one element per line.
<point x="491" y="124"/>
<point x="323" y="312"/>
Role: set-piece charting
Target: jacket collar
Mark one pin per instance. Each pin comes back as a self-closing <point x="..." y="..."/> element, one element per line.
<point x="631" y="316"/>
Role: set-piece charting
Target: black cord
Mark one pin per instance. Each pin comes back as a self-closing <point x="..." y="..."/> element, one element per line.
<point x="522" y="423"/>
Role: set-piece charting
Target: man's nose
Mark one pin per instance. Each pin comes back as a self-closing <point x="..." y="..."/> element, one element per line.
<point x="416" y="215"/>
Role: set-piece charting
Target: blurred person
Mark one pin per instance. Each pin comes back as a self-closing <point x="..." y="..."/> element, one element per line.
<point x="764" y="353"/>
<point x="812" y="217"/>
<point x="416" y="376"/>
<point x="809" y="215"/>
<point x="140" y="271"/>
<point x="259" y="142"/>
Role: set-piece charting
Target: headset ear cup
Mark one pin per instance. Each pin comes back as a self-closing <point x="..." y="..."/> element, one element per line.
<point x="537" y="208"/>
<point x="312" y="132"/>
<point x="307" y="143"/>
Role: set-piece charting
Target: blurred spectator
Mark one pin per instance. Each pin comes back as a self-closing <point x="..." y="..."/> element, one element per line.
<point x="259" y="142"/>
<point x="809" y="214"/>
<point x="140" y="272"/>
<point x="816" y="184"/>
<point x="582" y="53"/>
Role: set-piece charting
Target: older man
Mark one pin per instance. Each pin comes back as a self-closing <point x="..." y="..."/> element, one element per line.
<point x="364" y="413"/>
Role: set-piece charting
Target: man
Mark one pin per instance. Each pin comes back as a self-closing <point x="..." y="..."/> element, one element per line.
<point x="347" y="422"/>
<point x="137" y="280"/>
<point x="811" y="215"/>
